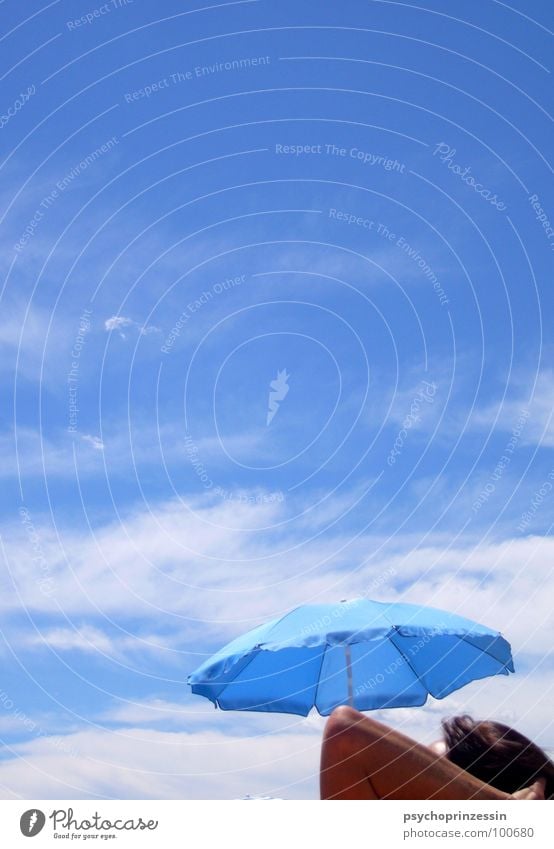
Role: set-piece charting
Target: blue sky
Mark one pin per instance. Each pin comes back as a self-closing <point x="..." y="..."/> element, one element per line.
<point x="351" y="202"/>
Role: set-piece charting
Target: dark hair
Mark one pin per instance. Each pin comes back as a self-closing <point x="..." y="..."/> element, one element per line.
<point x="497" y="754"/>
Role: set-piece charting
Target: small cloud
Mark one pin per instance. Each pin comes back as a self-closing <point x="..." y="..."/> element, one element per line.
<point x="95" y="441"/>
<point x="118" y="322"/>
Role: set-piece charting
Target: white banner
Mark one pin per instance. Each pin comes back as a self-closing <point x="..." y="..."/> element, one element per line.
<point x="276" y="824"/>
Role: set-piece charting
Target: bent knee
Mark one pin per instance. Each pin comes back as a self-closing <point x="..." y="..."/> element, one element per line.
<point x="343" y="719"/>
<point x="345" y="715"/>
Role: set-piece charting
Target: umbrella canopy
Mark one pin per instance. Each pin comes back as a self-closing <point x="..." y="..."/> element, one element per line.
<point x="364" y="653"/>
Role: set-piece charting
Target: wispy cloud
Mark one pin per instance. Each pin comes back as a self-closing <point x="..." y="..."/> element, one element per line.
<point x="185" y="765"/>
<point x="532" y="393"/>
<point x="160" y="749"/>
<point x="29" y="453"/>
<point x="119" y="322"/>
<point x="155" y="560"/>
<point x="59" y="454"/>
<point x="23" y="338"/>
<point x="95" y="441"/>
<point x="91" y="640"/>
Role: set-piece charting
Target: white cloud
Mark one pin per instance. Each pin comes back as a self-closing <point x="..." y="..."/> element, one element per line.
<point x="532" y="394"/>
<point x="192" y="565"/>
<point x="203" y="563"/>
<point x="144" y="764"/>
<point x="211" y="754"/>
<point x="92" y="640"/>
<point x="86" y="639"/>
<point x="50" y="455"/>
<point x="118" y="322"/>
<point x="24" y="340"/>
<point x="159" y="711"/>
<point x="125" y="449"/>
<point x="197" y="562"/>
<point x="95" y="441"/>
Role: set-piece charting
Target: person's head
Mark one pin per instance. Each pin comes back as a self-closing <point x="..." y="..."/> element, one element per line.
<point x="497" y="754"/>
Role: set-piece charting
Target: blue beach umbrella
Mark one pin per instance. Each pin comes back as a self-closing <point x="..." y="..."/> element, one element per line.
<point x="364" y="653"/>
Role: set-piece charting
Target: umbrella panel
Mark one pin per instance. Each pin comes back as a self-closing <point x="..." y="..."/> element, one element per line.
<point x="259" y="685"/>
<point x="446" y="663"/>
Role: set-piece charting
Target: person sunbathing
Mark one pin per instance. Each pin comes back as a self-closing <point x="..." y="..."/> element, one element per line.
<point x="365" y="759"/>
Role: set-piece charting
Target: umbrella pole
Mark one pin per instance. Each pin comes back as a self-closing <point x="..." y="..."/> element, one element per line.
<point x="349" y="675"/>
